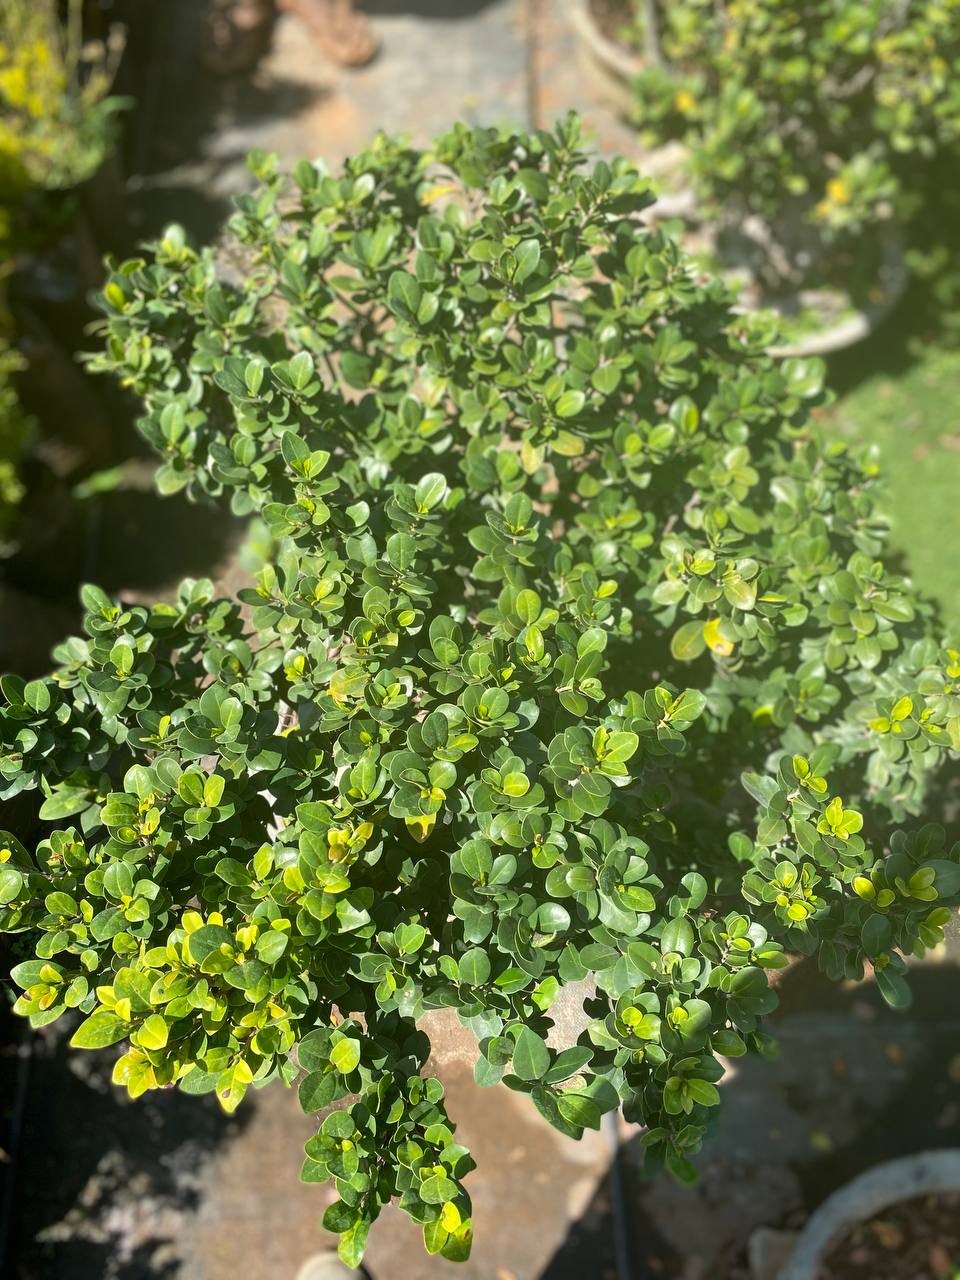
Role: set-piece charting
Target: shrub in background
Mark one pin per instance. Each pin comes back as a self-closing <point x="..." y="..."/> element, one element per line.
<point x="56" y="116"/>
<point x="56" y="128"/>
<point x="574" y="665"/>
<point x="841" y="113"/>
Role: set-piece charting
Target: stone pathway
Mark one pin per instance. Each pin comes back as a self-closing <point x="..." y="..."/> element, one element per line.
<point x="169" y="1187"/>
<point x="485" y="62"/>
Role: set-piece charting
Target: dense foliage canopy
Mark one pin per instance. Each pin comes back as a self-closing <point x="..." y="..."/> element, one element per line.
<point x="575" y="665"/>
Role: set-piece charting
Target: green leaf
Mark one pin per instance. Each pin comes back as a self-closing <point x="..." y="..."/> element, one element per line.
<point x="570" y="404"/>
<point x="36" y="695"/>
<point x="213" y="790"/>
<point x="474" y="967"/>
<point x="695" y="889"/>
<point x="552" y="917"/>
<point x="567" y="1063"/>
<point x="579" y="1110"/>
<point x="206" y="939"/>
<point x="232" y="872"/>
<point x="313" y="1051"/>
<point x="429" y="491"/>
<point x="727" y="1042"/>
<point x="620" y="746"/>
<point x="301" y="370"/>
<point x="527" y="254"/>
<point x="437" y="1189"/>
<point x="677" y="936"/>
<point x="456" y="1247"/>
<point x="435" y="1236"/>
<point x="531" y="1057"/>
<point x="100" y="1030"/>
<point x="317" y="1090"/>
<point x="894" y="989"/>
<point x="535" y="183"/>
<point x="11" y="885"/>
<point x="687" y="642"/>
<point x="339" y="1217"/>
<point x="404" y="294"/>
<point x="703" y="1092"/>
<point x="688" y="707"/>
<point x="487" y="1073"/>
<point x="153" y="1033"/>
<point x="190" y="786"/>
<point x="65" y="802"/>
<point x="271" y="945"/>
<point x="345" y="1055"/>
<point x="876" y="935"/>
<point x="695" y="1023"/>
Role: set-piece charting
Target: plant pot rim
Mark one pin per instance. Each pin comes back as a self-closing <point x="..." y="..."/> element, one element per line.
<point x="888" y="1184"/>
<point x="831" y="336"/>
<point x="615" y="57"/>
<point x="866" y="318"/>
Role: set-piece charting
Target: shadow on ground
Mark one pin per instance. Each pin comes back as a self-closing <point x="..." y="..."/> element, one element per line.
<point x="448" y="10"/>
<point x="186" y="145"/>
<point x="105" y="1182"/>
<point x="130" y="541"/>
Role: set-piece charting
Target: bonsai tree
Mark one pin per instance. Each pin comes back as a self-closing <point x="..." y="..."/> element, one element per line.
<point x="574" y="669"/>
<point x="819" y="119"/>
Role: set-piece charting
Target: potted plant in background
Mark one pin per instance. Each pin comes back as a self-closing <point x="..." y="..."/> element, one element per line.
<point x="813" y="133"/>
<point x="575" y="666"/>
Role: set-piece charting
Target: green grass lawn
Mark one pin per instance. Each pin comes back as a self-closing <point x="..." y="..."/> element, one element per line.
<point x="910" y="408"/>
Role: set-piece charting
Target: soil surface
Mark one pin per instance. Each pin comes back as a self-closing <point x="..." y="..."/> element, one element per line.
<point x="916" y="1240"/>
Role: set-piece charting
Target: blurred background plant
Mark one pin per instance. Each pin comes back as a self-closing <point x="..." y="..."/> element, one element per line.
<point x="841" y="107"/>
<point x="837" y="123"/>
<point x="57" y="117"/>
<point x="813" y="138"/>
<point x="58" y="124"/>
